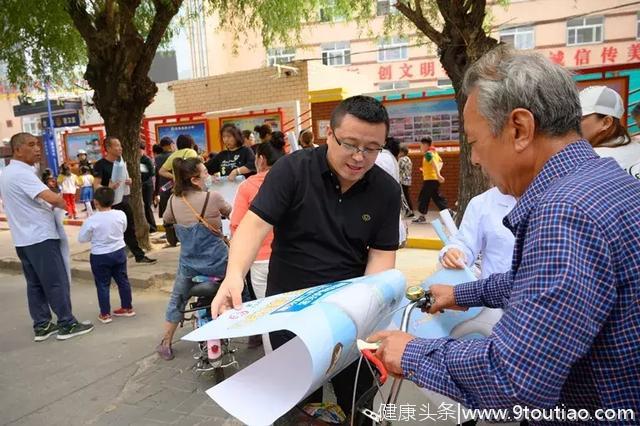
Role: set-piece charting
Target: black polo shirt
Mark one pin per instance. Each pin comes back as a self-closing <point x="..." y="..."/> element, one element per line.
<point x="320" y="234"/>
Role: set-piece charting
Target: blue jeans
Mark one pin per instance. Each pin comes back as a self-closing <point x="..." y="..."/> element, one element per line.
<point x="107" y="266"/>
<point x="47" y="283"/>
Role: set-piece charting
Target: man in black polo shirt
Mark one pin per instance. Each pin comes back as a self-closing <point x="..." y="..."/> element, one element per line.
<point x="102" y="172"/>
<point x="334" y="215"/>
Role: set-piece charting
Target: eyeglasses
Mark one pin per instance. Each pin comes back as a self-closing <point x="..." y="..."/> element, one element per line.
<point x="353" y="149"/>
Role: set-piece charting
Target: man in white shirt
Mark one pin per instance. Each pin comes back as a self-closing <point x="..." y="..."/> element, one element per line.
<point x="29" y="207"/>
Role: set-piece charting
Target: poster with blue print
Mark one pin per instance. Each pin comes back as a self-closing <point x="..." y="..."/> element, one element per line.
<point x="196" y="129"/>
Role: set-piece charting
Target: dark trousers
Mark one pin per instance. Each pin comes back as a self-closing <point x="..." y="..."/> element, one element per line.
<point x="164" y="200"/>
<point x="107" y="266"/>
<point x="342" y="382"/>
<point x="130" y="233"/>
<point x="407" y="196"/>
<point x="430" y="191"/>
<point x="47" y="283"/>
<point x="147" y="200"/>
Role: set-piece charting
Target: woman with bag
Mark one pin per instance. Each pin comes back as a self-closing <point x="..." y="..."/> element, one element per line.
<point x="197" y="215"/>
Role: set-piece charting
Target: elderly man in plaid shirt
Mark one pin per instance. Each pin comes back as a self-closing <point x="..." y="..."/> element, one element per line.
<point x="570" y="334"/>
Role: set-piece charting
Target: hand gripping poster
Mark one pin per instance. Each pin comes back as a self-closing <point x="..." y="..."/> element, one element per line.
<point x="327" y="320"/>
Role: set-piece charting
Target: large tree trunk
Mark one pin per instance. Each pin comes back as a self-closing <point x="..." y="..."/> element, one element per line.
<point x="461" y="42"/>
<point x="118" y="71"/>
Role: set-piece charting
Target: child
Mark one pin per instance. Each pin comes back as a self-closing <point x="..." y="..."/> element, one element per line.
<point x="406" y="168"/>
<point x="105" y="230"/>
<point x="52" y="184"/>
<point x="69" y="183"/>
<point x="431" y="180"/>
<point x="86" y="189"/>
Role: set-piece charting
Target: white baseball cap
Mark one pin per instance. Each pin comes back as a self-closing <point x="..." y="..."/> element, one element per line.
<point x="82" y="151"/>
<point x="601" y="100"/>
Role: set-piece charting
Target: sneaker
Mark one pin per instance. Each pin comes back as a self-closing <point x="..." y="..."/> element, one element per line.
<point x="165" y="352"/>
<point x="43" y="333"/>
<point x="123" y="312"/>
<point x="410" y="214"/>
<point x="146" y="260"/>
<point x="73" y="330"/>
<point x="419" y="219"/>
<point x="105" y="319"/>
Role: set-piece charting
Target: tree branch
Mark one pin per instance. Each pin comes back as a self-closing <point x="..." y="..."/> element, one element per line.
<point x="83" y="21"/>
<point x="418" y="19"/>
<point x="165" y="11"/>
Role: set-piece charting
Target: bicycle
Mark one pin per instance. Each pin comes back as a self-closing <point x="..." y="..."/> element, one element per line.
<point x="216" y="354"/>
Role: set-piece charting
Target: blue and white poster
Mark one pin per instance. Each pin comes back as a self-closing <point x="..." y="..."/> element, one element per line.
<point x="196" y="129"/>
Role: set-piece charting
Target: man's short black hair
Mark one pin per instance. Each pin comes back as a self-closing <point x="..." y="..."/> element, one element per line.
<point x="108" y="140"/>
<point x="104" y="196"/>
<point x="364" y="108"/>
<point x="166" y="141"/>
<point x="185" y="141"/>
<point x="426" y="139"/>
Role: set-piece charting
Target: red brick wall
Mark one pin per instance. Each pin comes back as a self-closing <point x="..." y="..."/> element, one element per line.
<point x="321" y="111"/>
<point x="450" y="172"/>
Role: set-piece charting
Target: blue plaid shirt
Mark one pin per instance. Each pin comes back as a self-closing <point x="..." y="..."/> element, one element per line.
<point x="570" y="333"/>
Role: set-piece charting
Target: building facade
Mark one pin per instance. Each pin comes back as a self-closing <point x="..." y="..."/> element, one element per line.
<point x="574" y="33"/>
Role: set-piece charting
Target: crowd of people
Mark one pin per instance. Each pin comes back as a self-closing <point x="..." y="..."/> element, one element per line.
<point x="555" y="238"/>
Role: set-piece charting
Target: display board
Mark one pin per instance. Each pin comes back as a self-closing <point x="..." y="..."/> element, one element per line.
<point x="411" y="120"/>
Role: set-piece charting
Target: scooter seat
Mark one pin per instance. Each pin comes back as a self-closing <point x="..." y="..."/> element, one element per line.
<point x="207" y="290"/>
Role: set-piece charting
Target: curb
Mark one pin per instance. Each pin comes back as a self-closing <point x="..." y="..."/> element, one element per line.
<point x="137" y="279"/>
<point x="72" y="222"/>
<point x="424" y="243"/>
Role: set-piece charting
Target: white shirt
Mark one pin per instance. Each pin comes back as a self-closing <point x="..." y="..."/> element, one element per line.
<point x="31" y="219"/>
<point x="105" y="230"/>
<point x="482" y="231"/>
<point x="387" y="162"/>
<point x="627" y="156"/>
<point x="69" y="184"/>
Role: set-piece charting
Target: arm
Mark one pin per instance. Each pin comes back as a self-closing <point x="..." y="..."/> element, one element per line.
<point x="168" y="216"/>
<point x="468" y="239"/>
<point x="240" y="207"/>
<point x="165" y="173"/>
<point x="244" y="248"/>
<point x="52" y="198"/>
<point x="86" y="231"/>
<point x="567" y="293"/>
<point x="380" y="260"/>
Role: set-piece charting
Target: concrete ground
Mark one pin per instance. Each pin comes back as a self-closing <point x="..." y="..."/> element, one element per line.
<point x="112" y="376"/>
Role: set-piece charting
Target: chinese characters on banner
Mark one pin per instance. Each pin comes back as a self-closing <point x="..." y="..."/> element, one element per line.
<point x="591" y="55"/>
<point x="407" y="71"/>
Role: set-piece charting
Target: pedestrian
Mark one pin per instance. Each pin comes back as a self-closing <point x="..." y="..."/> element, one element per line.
<point x="86" y="189"/>
<point x="69" y="184"/>
<point x="264" y="132"/>
<point x="147" y="172"/>
<point x="431" y="180"/>
<point x="236" y="159"/>
<point x="571" y="314"/>
<point x="197" y="215"/>
<point x="29" y="204"/>
<point x="167" y="145"/>
<point x="83" y="161"/>
<point x="105" y="230"/>
<point x="306" y="139"/>
<point x="249" y="140"/>
<point x="186" y="149"/>
<point x="406" y="171"/>
<point x="266" y="157"/>
<point x="354" y="231"/>
<point x="111" y="171"/>
<point x="601" y="125"/>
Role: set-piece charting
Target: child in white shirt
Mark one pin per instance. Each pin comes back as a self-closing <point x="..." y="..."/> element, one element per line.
<point x="105" y="230"/>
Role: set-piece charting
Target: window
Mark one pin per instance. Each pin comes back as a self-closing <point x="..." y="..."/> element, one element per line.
<point x="443" y="82"/>
<point x="385" y="7"/>
<point x="280" y="55"/>
<point x="393" y="49"/>
<point x="338" y="53"/>
<point x="638" y="26"/>
<point x="519" y="37"/>
<point x="585" y="30"/>
<point x="392" y="85"/>
<point x="32" y="125"/>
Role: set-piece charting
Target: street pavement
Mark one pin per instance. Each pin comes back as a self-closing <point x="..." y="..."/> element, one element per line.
<point x="112" y="376"/>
